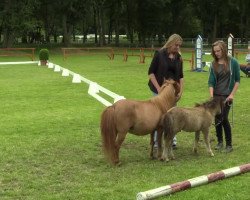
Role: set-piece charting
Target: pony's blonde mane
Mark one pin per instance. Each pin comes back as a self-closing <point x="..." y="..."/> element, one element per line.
<point x="166" y="97"/>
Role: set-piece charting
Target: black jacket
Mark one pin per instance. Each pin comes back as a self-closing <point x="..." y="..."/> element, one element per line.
<point x="163" y="67"/>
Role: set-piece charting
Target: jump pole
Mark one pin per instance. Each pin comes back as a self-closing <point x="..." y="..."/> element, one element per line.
<point x="201" y="180"/>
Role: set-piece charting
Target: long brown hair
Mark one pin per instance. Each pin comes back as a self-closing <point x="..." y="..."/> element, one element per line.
<point x="223" y="48"/>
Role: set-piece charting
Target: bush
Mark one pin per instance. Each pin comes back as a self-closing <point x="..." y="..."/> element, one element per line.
<point x="44" y="54"/>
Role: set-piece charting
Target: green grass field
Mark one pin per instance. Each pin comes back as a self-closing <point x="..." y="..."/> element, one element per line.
<point x="51" y="145"/>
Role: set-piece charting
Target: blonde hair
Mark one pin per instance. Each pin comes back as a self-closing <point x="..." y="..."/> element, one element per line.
<point x="223" y="47"/>
<point x="172" y="40"/>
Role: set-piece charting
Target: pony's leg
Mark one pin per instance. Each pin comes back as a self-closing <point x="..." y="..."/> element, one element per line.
<point x="164" y="156"/>
<point x="159" y="141"/>
<point x="119" y="140"/>
<point x="196" y="141"/>
<point x="167" y="149"/>
<point x="152" y="143"/>
<point x="206" y="138"/>
<point x="164" y="151"/>
<point x="170" y="149"/>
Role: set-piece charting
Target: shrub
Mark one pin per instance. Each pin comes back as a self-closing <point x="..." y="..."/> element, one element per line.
<point x="44" y="54"/>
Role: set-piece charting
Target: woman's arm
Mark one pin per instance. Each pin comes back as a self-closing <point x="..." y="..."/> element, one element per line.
<point x="181" y="89"/>
<point x="154" y="82"/>
<point x="235" y="88"/>
<point x="211" y="91"/>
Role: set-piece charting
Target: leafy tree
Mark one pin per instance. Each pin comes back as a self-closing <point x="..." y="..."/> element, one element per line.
<point x="143" y="19"/>
<point x="15" y="18"/>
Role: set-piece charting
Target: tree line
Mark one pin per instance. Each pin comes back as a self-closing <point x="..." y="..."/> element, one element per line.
<point x="142" y="21"/>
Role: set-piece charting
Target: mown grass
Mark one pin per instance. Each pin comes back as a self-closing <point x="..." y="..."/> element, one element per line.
<point x="51" y="145"/>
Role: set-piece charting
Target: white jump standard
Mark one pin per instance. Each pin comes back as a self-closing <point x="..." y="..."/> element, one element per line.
<point x="199" y="52"/>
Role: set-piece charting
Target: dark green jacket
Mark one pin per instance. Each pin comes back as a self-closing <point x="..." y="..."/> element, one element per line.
<point x="234" y="74"/>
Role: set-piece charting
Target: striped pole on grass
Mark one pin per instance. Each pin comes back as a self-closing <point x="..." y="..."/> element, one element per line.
<point x="201" y="180"/>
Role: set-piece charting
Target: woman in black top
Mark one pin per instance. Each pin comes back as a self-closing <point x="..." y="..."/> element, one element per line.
<point x="166" y="64"/>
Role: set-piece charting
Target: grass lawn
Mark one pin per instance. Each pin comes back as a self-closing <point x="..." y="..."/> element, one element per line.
<point x="51" y="144"/>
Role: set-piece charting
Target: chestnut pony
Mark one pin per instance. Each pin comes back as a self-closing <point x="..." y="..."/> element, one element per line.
<point x="136" y="117"/>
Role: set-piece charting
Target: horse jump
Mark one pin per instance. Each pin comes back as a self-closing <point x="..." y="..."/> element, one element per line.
<point x="195" y="119"/>
<point x="135" y="117"/>
<point x="190" y="183"/>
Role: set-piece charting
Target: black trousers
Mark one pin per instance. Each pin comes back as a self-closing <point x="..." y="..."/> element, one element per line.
<point x="222" y="122"/>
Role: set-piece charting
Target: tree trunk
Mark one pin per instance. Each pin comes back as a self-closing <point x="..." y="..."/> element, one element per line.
<point x="8" y="32"/>
<point x="110" y="28"/>
<point x="8" y="38"/>
<point x="67" y="29"/>
<point x="95" y="25"/>
<point x="247" y="33"/>
<point x="130" y="34"/>
<point x="47" y="35"/>
<point x="55" y="38"/>
<point x="160" y="39"/>
<point x="101" y="26"/>
<point x="215" y="27"/>
<point x="24" y="39"/>
<point x="117" y="41"/>
<point x="84" y="32"/>
<point x="46" y="25"/>
<point x="117" y="23"/>
<point x="74" y="34"/>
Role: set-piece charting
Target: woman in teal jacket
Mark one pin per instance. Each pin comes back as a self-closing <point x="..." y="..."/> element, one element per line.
<point x="224" y="79"/>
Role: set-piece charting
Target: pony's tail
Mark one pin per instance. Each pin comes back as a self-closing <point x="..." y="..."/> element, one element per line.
<point x="167" y="125"/>
<point x="108" y="132"/>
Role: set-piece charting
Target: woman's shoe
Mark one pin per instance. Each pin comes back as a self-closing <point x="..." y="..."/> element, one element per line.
<point x="219" y="146"/>
<point x="228" y="149"/>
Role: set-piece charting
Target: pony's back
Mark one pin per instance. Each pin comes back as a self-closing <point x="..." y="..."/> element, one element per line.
<point x="186" y="119"/>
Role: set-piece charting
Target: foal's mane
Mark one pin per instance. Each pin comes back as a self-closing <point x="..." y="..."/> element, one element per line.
<point x="210" y="104"/>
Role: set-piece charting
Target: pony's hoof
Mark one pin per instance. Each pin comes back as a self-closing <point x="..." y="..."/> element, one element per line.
<point x="212" y="155"/>
<point x="164" y="159"/>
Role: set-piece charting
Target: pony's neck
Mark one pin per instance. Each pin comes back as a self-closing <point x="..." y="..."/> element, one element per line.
<point x="213" y="111"/>
<point x="165" y="100"/>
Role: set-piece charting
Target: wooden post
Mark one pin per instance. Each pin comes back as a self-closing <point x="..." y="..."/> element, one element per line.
<point x="142" y="57"/>
<point x="125" y="55"/>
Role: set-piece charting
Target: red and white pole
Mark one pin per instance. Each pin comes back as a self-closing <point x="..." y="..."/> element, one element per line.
<point x="201" y="180"/>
